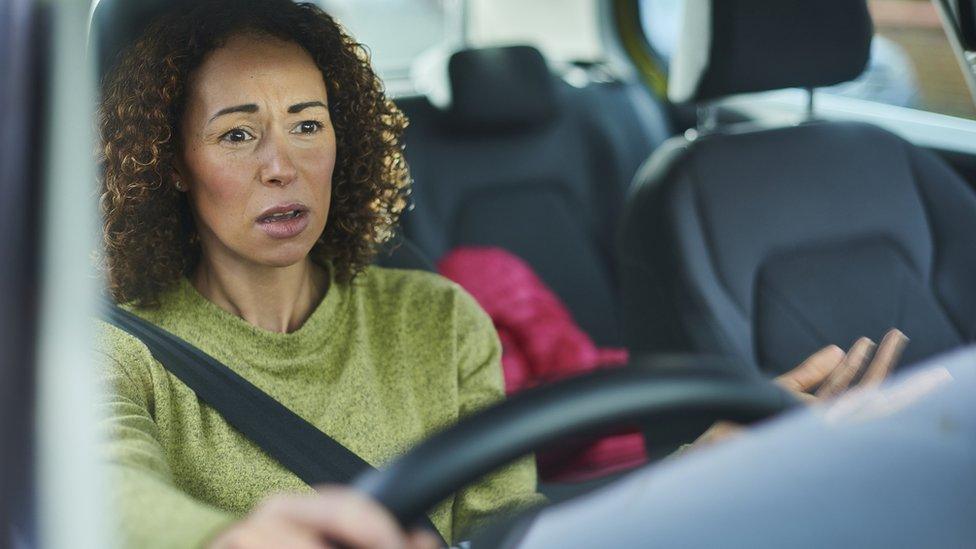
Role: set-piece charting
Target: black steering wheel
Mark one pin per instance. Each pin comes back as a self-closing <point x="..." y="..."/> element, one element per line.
<point x="529" y="421"/>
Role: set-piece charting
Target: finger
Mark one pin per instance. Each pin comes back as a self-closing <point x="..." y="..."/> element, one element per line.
<point x="422" y="539"/>
<point x="812" y="371"/>
<point x="269" y="532"/>
<point x="853" y="364"/>
<point x="889" y="352"/>
<point x="358" y="521"/>
<point x="341" y="516"/>
<point x="719" y="431"/>
<point x="806" y="398"/>
<point x="293" y="536"/>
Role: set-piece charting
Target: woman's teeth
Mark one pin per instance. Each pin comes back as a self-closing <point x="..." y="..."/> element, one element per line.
<point x="283" y="215"/>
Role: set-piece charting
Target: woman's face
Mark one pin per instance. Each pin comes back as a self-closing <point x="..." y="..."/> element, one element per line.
<point x="258" y="152"/>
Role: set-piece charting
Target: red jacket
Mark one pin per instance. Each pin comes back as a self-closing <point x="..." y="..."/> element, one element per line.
<point x="541" y="343"/>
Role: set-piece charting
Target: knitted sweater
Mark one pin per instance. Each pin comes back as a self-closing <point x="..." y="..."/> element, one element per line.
<point x="380" y="364"/>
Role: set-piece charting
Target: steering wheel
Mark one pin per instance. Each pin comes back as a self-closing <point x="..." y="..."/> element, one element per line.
<point x="529" y="421"/>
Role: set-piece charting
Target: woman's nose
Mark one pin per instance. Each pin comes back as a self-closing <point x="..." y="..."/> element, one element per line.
<point x="276" y="164"/>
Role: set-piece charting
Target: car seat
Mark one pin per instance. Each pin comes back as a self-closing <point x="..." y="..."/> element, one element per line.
<point x="517" y="158"/>
<point x="767" y="244"/>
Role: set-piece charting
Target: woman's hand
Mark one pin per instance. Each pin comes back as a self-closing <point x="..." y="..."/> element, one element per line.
<point x="826" y="374"/>
<point x="334" y="517"/>
<point x="829" y="372"/>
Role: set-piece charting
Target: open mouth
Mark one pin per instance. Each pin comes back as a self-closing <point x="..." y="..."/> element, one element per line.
<point x="284" y="221"/>
<point x="281" y="216"/>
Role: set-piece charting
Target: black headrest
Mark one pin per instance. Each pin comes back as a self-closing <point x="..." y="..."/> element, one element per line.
<point x="739" y="46"/>
<point x="500" y="88"/>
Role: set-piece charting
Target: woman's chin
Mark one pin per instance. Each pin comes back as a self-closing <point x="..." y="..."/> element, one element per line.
<point x="284" y="256"/>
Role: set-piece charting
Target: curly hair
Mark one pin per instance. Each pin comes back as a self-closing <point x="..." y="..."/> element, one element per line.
<point x="150" y="239"/>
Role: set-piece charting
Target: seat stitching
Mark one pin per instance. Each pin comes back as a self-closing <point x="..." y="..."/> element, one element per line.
<point x="707" y="237"/>
<point x="716" y="329"/>
<point x="903" y="303"/>
<point x="795" y="311"/>
<point x="929" y="280"/>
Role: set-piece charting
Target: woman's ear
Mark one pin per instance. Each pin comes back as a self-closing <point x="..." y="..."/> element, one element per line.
<point x="180" y="181"/>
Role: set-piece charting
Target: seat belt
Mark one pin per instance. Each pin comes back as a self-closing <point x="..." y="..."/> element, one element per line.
<point x="312" y="455"/>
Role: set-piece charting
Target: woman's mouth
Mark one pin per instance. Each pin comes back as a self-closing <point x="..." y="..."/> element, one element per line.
<point x="292" y="214"/>
<point x="284" y="222"/>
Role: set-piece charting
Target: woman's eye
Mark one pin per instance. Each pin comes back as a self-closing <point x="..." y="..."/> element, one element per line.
<point x="308" y="126"/>
<point x="236" y="135"/>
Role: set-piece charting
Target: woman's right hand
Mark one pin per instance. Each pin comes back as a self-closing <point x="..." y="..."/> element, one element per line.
<point x="826" y="374"/>
<point x="830" y="371"/>
<point x="334" y="517"/>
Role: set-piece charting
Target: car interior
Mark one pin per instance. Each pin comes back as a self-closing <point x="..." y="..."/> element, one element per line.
<point x="522" y="160"/>
<point x="770" y="243"/>
<point x="709" y="212"/>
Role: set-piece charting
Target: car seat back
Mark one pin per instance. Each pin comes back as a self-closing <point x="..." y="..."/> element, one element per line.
<point x="518" y="159"/>
<point x="767" y="244"/>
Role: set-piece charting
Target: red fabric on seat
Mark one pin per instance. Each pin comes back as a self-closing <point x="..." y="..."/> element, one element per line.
<point x="541" y="343"/>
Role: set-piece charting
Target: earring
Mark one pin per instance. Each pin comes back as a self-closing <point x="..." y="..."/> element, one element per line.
<point x="179" y="185"/>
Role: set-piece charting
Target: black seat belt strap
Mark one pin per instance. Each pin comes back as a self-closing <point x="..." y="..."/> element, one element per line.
<point x="312" y="455"/>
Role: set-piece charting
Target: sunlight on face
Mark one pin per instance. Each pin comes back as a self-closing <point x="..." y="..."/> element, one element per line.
<point x="258" y="152"/>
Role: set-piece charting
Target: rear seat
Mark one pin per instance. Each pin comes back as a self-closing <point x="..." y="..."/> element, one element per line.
<point x="522" y="160"/>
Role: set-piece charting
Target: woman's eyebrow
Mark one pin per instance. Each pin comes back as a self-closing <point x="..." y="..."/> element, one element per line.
<point x="298" y="107"/>
<point x="249" y="108"/>
<point x="252" y="108"/>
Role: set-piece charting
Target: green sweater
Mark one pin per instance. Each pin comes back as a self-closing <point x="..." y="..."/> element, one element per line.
<point x="380" y="364"/>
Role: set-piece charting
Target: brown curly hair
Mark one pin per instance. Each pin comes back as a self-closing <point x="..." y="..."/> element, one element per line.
<point x="149" y="235"/>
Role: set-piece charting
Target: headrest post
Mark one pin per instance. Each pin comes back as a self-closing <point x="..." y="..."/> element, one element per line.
<point x="707" y="114"/>
<point x="810" y="105"/>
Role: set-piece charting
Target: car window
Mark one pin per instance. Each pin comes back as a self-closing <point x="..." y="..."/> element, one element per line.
<point x="572" y="35"/>
<point x="398" y="32"/>
<point x="661" y="21"/>
<point x="914" y="51"/>
<point x="417" y="27"/>
<point x="912" y="64"/>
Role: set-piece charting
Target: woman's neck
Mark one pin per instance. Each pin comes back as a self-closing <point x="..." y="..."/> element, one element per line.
<point x="276" y="299"/>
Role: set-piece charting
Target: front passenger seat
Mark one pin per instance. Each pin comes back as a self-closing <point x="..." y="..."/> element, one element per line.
<point x="767" y="244"/>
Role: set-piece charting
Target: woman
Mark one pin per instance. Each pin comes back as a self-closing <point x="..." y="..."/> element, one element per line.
<point x="251" y="164"/>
